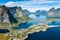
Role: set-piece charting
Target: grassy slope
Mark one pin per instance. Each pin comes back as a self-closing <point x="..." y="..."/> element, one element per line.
<point x="53" y="19"/>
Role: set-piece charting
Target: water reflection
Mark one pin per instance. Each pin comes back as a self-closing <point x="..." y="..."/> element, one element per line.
<point x="54" y="24"/>
<point x="4" y="31"/>
<point x="27" y="24"/>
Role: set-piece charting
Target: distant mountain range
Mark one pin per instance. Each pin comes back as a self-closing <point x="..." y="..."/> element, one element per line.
<point x="27" y="12"/>
<point x="37" y="13"/>
<point x="53" y="12"/>
<point x="50" y="13"/>
<point x="40" y="12"/>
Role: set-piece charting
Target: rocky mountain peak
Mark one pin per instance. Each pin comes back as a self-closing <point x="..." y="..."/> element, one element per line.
<point x="52" y="9"/>
<point x="53" y="12"/>
<point x="6" y="15"/>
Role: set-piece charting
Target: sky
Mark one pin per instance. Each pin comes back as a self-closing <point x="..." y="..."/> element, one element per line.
<point x="32" y="5"/>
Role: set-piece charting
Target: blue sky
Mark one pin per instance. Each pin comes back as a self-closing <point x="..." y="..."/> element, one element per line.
<point x="32" y="5"/>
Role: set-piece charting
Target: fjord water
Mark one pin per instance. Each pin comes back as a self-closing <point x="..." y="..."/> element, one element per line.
<point x="30" y="23"/>
<point x="27" y="24"/>
<point x="52" y="33"/>
<point x="54" y="24"/>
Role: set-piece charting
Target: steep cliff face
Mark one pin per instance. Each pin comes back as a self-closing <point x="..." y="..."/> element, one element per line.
<point x="10" y="13"/>
<point x="6" y="15"/>
<point x="12" y="9"/>
<point x="19" y="12"/>
<point x="3" y="14"/>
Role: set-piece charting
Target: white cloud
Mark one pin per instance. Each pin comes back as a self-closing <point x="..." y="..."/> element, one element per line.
<point x="10" y="3"/>
<point x="30" y="4"/>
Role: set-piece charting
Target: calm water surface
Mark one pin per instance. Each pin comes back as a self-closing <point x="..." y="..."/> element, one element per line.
<point x="52" y="33"/>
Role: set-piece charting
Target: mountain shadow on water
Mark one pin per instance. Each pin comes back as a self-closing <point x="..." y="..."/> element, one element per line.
<point x="49" y="34"/>
<point x="4" y="31"/>
<point x="54" y="23"/>
<point x="11" y="17"/>
<point x="23" y="25"/>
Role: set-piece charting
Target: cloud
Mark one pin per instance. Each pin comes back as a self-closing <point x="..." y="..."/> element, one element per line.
<point x="11" y="3"/>
<point x="33" y="5"/>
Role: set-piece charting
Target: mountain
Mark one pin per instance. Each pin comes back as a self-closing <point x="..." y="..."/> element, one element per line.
<point x="3" y="14"/>
<point x="11" y="15"/>
<point x="53" y="12"/>
<point x="40" y="12"/>
<point x="27" y="12"/>
<point x="58" y="11"/>
<point x="21" y="14"/>
<point x="12" y="9"/>
<point x="6" y="15"/>
<point x="37" y="13"/>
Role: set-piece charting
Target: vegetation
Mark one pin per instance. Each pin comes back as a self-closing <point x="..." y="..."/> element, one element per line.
<point x="53" y="19"/>
<point x="22" y="34"/>
<point x="2" y="37"/>
<point x="18" y="33"/>
<point x="5" y="24"/>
